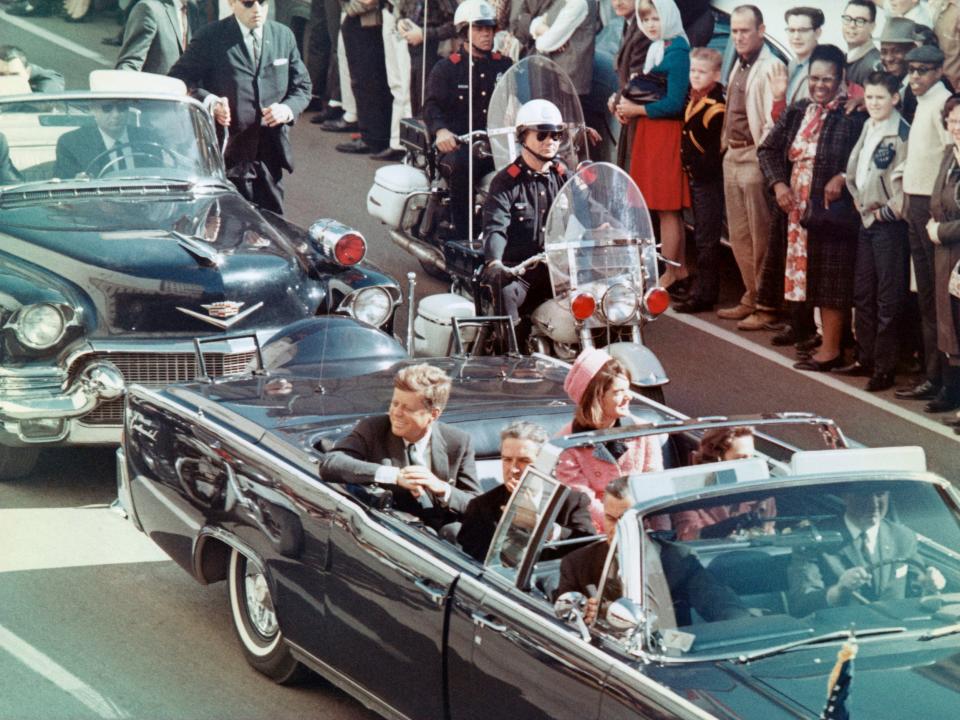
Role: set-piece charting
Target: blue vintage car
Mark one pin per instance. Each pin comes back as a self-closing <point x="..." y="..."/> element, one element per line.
<point x="223" y="475"/>
<point x="113" y="261"/>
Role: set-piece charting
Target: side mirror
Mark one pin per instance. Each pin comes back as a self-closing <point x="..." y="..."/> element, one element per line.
<point x="569" y="604"/>
<point x="625" y="616"/>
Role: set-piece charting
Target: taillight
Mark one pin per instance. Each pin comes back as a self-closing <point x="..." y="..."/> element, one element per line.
<point x="656" y="301"/>
<point x="583" y="306"/>
<point x="350" y="249"/>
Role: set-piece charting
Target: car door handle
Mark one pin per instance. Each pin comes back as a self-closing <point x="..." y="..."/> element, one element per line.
<point x="486" y="621"/>
<point x="436" y="595"/>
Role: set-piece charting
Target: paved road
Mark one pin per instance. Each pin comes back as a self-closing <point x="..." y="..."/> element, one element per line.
<point x="95" y="623"/>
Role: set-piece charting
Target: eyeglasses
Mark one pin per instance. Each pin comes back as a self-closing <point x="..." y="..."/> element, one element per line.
<point x="850" y="20"/>
<point x="798" y="31"/>
<point x="552" y="134"/>
<point x="920" y="69"/>
<point x="250" y="3"/>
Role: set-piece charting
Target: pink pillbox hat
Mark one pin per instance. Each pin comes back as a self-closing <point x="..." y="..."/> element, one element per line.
<point x="588" y="364"/>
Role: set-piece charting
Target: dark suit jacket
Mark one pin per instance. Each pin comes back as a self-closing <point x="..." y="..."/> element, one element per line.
<point x="810" y="575"/>
<point x="78" y="148"/>
<point x="691" y="585"/>
<point x="151" y="38"/>
<point x="356" y="458"/>
<point x="484" y="511"/>
<point x="216" y="62"/>
<point x="8" y="173"/>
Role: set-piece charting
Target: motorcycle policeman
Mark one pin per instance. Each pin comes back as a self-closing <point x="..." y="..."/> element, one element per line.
<point x="515" y="214"/>
<point x="446" y="108"/>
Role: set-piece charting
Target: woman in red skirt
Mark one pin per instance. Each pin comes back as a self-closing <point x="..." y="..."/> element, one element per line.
<point x="655" y="155"/>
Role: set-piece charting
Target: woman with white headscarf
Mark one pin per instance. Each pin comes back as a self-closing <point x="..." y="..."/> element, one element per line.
<point x="657" y="104"/>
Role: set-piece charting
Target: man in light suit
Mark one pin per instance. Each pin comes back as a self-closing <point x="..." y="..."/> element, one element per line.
<point x="157" y="33"/>
<point x="111" y="143"/>
<point x="860" y="569"/>
<point x="431" y="464"/>
<point x="520" y="443"/>
<point x="248" y="72"/>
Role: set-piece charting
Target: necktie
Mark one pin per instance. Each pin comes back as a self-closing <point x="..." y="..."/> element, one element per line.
<point x="414" y="458"/>
<point x="184" y="25"/>
<point x="255" y="43"/>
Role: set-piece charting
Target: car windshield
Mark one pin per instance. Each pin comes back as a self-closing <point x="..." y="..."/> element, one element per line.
<point x="744" y="572"/>
<point x="106" y="139"/>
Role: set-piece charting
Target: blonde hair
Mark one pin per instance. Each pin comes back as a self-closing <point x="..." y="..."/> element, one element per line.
<point x="431" y="383"/>
<point x="589" y="410"/>
<point x="645" y="8"/>
<point x="714" y="57"/>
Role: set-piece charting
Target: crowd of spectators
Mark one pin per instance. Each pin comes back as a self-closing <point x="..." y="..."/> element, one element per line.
<point x="822" y="166"/>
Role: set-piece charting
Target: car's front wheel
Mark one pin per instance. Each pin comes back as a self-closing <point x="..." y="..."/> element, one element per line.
<point x="17" y="462"/>
<point x="255" y="622"/>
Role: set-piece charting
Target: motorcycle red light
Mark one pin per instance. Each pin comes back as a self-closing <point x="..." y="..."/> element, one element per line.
<point x="350" y="249"/>
<point x="657" y="301"/>
<point x="583" y="306"/>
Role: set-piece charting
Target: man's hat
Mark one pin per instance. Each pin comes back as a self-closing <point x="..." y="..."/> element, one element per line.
<point x="926" y="54"/>
<point x="898" y="30"/>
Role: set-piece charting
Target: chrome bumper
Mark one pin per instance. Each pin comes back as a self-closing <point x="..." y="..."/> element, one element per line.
<point x="40" y="416"/>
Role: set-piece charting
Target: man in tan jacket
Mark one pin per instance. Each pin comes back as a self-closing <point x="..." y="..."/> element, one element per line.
<point x="749" y="118"/>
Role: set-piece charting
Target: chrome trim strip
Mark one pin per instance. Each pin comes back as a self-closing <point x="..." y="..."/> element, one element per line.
<point x="670" y="698"/>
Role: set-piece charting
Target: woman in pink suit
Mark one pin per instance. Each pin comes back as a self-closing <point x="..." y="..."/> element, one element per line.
<point x="600" y="386"/>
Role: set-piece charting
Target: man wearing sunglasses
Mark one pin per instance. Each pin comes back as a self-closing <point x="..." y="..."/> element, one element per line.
<point x="247" y="71"/>
<point x="111" y="144"/>
<point x="515" y="214"/>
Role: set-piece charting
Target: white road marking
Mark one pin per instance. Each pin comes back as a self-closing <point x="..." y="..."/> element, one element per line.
<point x="46" y="538"/>
<point x="61" y="677"/>
<point x="55" y="39"/>
<point x="773" y="356"/>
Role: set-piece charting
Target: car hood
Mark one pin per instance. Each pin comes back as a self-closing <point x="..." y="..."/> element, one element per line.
<point x="889" y="676"/>
<point x="183" y="264"/>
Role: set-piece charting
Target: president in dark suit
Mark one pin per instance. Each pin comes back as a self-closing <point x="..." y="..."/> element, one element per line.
<point x="111" y="143"/>
<point x="691" y="586"/>
<point x="520" y="443"/>
<point x="431" y="465"/>
<point x="859" y="570"/>
<point x="157" y="33"/>
<point x="248" y="72"/>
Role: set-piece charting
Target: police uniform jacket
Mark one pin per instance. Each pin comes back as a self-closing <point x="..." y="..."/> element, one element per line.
<point x="515" y="212"/>
<point x="447" y="101"/>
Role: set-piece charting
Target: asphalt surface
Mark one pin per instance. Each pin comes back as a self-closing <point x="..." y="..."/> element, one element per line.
<point x="95" y="622"/>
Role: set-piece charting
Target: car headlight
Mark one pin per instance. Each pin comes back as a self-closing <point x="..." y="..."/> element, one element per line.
<point x="371" y="305"/>
<point x="619" y="304"/>
<point x="40" y="326"/>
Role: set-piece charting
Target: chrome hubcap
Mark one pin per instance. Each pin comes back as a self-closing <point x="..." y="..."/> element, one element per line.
<point x="259" y="603"/>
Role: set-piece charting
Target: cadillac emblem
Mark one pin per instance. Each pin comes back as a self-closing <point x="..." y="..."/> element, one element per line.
<point x="224" y="309"/>
<point x="223" y="314"/>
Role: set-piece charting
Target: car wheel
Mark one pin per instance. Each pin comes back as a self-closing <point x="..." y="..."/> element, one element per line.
<point x="17" y="462"/>
<point x="255" y="622"/>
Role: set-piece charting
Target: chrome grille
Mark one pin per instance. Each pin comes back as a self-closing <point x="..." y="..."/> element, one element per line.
<point x="160" y="369"/>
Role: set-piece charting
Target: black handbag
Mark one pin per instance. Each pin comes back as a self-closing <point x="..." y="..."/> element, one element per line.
<point x="644" y="89"/>
<point x="840" y="221"/>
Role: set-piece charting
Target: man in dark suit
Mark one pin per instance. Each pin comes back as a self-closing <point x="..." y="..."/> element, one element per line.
<point x="690" y="585"/>
<point x="520" y="443"/>
<point x="112" y="143"/>
<point x="8" y="173"/>
<point x="431" y="464"/>
<point x="13" y="62"/>
<point x="860" y="569"/>
<point x="157" y="33"/>
<point x="247" y="71"/>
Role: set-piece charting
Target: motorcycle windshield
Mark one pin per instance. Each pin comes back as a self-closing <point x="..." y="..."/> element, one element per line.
<point x="599" y="234"/>
<point x="533" y="78"/>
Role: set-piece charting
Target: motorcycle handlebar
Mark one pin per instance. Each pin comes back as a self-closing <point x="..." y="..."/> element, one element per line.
<point x="528" y="263"/>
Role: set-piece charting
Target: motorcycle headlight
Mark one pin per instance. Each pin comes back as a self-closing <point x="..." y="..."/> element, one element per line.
<point x="40" y="326"/>
<point x="619" y="304"/>
<point x="371" y="305"/>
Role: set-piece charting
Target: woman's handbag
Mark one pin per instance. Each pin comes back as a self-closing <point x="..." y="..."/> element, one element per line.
<point x="953" y="285"/>
<point x="840" y="221"/>
<point x="644" y="89"/>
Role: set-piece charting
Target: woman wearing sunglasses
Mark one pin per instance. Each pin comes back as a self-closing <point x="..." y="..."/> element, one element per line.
<point x="515" y="213"/>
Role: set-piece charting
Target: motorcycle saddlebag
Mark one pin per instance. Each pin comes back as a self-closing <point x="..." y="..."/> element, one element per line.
<point x="414" y="135"/>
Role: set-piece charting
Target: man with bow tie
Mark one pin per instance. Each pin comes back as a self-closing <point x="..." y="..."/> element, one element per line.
<point x="248" y="73"/>
<point x="157" y="33"/>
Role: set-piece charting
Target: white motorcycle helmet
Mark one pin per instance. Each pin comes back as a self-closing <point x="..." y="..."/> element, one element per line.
<point x="474" y="12"/>
<point x="538" y="115"/>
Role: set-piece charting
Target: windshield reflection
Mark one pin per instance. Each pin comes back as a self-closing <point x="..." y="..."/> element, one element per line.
<point x="106" y="139"/>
